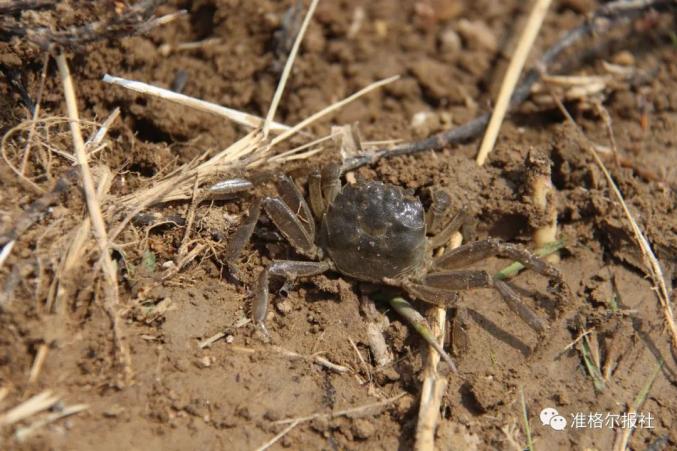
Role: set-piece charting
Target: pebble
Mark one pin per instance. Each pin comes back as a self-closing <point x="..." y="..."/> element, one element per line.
<point x="450" y="41"/>
<point x="477" y="35"/>
<point x="624" y="58"/>
<point x="363" y="428"/>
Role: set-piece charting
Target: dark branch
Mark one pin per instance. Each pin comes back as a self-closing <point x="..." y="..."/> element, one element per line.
<point x="600" y="22"/>
<point x="137" y="19"/>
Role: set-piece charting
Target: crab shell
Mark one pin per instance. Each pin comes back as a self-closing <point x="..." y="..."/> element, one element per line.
<point x="375" y="230"/>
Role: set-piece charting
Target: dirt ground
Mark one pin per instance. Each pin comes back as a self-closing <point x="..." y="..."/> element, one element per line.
<point x="235" y="393"/>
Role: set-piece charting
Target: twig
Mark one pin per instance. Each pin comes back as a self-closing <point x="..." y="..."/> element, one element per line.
<point x="23" y="433"/>
<point x="601" y="22"/>
<point x="109" y="267"/>
<point x="577" y="339"/>
<point x="182" y="261"/>
<point x="6" y="250"/>
<point x="248" y="152"/>
<point x="287" y="69"/>
<point x="331" y="108"/>
<point x="363" y="362"/>
<point x="434" y="385"/>
<point x="96" y="139"/>
<point x="236" y="116"/>
<point x="353" y="411"/>
<point x="648" y="256"/>
<point x="37" y="403"/>
<point x="207" y="342"/>
<point x="526" y="41"/>
<point x="284" y="432"/>
<point x="316" y="358"/>
<point x="40" y="357"/>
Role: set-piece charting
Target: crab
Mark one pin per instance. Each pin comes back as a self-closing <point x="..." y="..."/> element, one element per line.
<point x="377" y="232"/>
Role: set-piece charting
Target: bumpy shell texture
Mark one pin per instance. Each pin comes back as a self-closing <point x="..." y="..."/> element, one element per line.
<point x="374" y="230"/>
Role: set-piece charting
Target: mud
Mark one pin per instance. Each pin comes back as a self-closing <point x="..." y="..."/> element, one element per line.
<point x="233" y="393"/>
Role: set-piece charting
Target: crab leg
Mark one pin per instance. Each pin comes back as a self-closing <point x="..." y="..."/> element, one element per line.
<point x="436" y="296"/>
<point x="291" y="196"/>
<point x="515" y="304"/>
<point x="479" y="250"/>
<point x="458" y="280"/>
<point x="290" y="226"/>
<point x="243" y="233"/>
<point x="288" y="269"/>
<point x="468" y="279"/>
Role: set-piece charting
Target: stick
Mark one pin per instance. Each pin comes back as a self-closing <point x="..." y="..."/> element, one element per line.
<point x="40" y="357"/>
<point x="526" y="41"/>
<point x="353" y="411"/>
<point x="284" y="432"/>
<point x="434" y="385"/>
<point x="239" y="117"/>
<point x="333" y="107"/>
<point x="23" y="433"/>
<point x="109" y="267"/>
<point x="602" y="22"/>
<point x="37" y="403"/>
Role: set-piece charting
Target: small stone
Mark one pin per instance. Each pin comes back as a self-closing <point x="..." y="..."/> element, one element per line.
<point x="314" y="41"/>
<point x="424" y="123"/>
<point x="363" y="428"/>
<point x="390" y="374"/>
<point x="450" y="41"/>
<point x="113" y="411"/>
<point x="477" y="35"/>
<point x="206" y="361"/>
<point x="405" y="404"/>
<point x="320" y="424"/>
<point x="624" y="58"/>
<point x="243" y="412"/>
<point x="381" y="28"/>
<point x="284" y="306"/>
<point x="272" y="415"/>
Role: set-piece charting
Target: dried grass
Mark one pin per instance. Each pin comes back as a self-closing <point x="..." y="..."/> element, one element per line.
<point x="533" y="25"/>
<point x="98" y="223"/>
